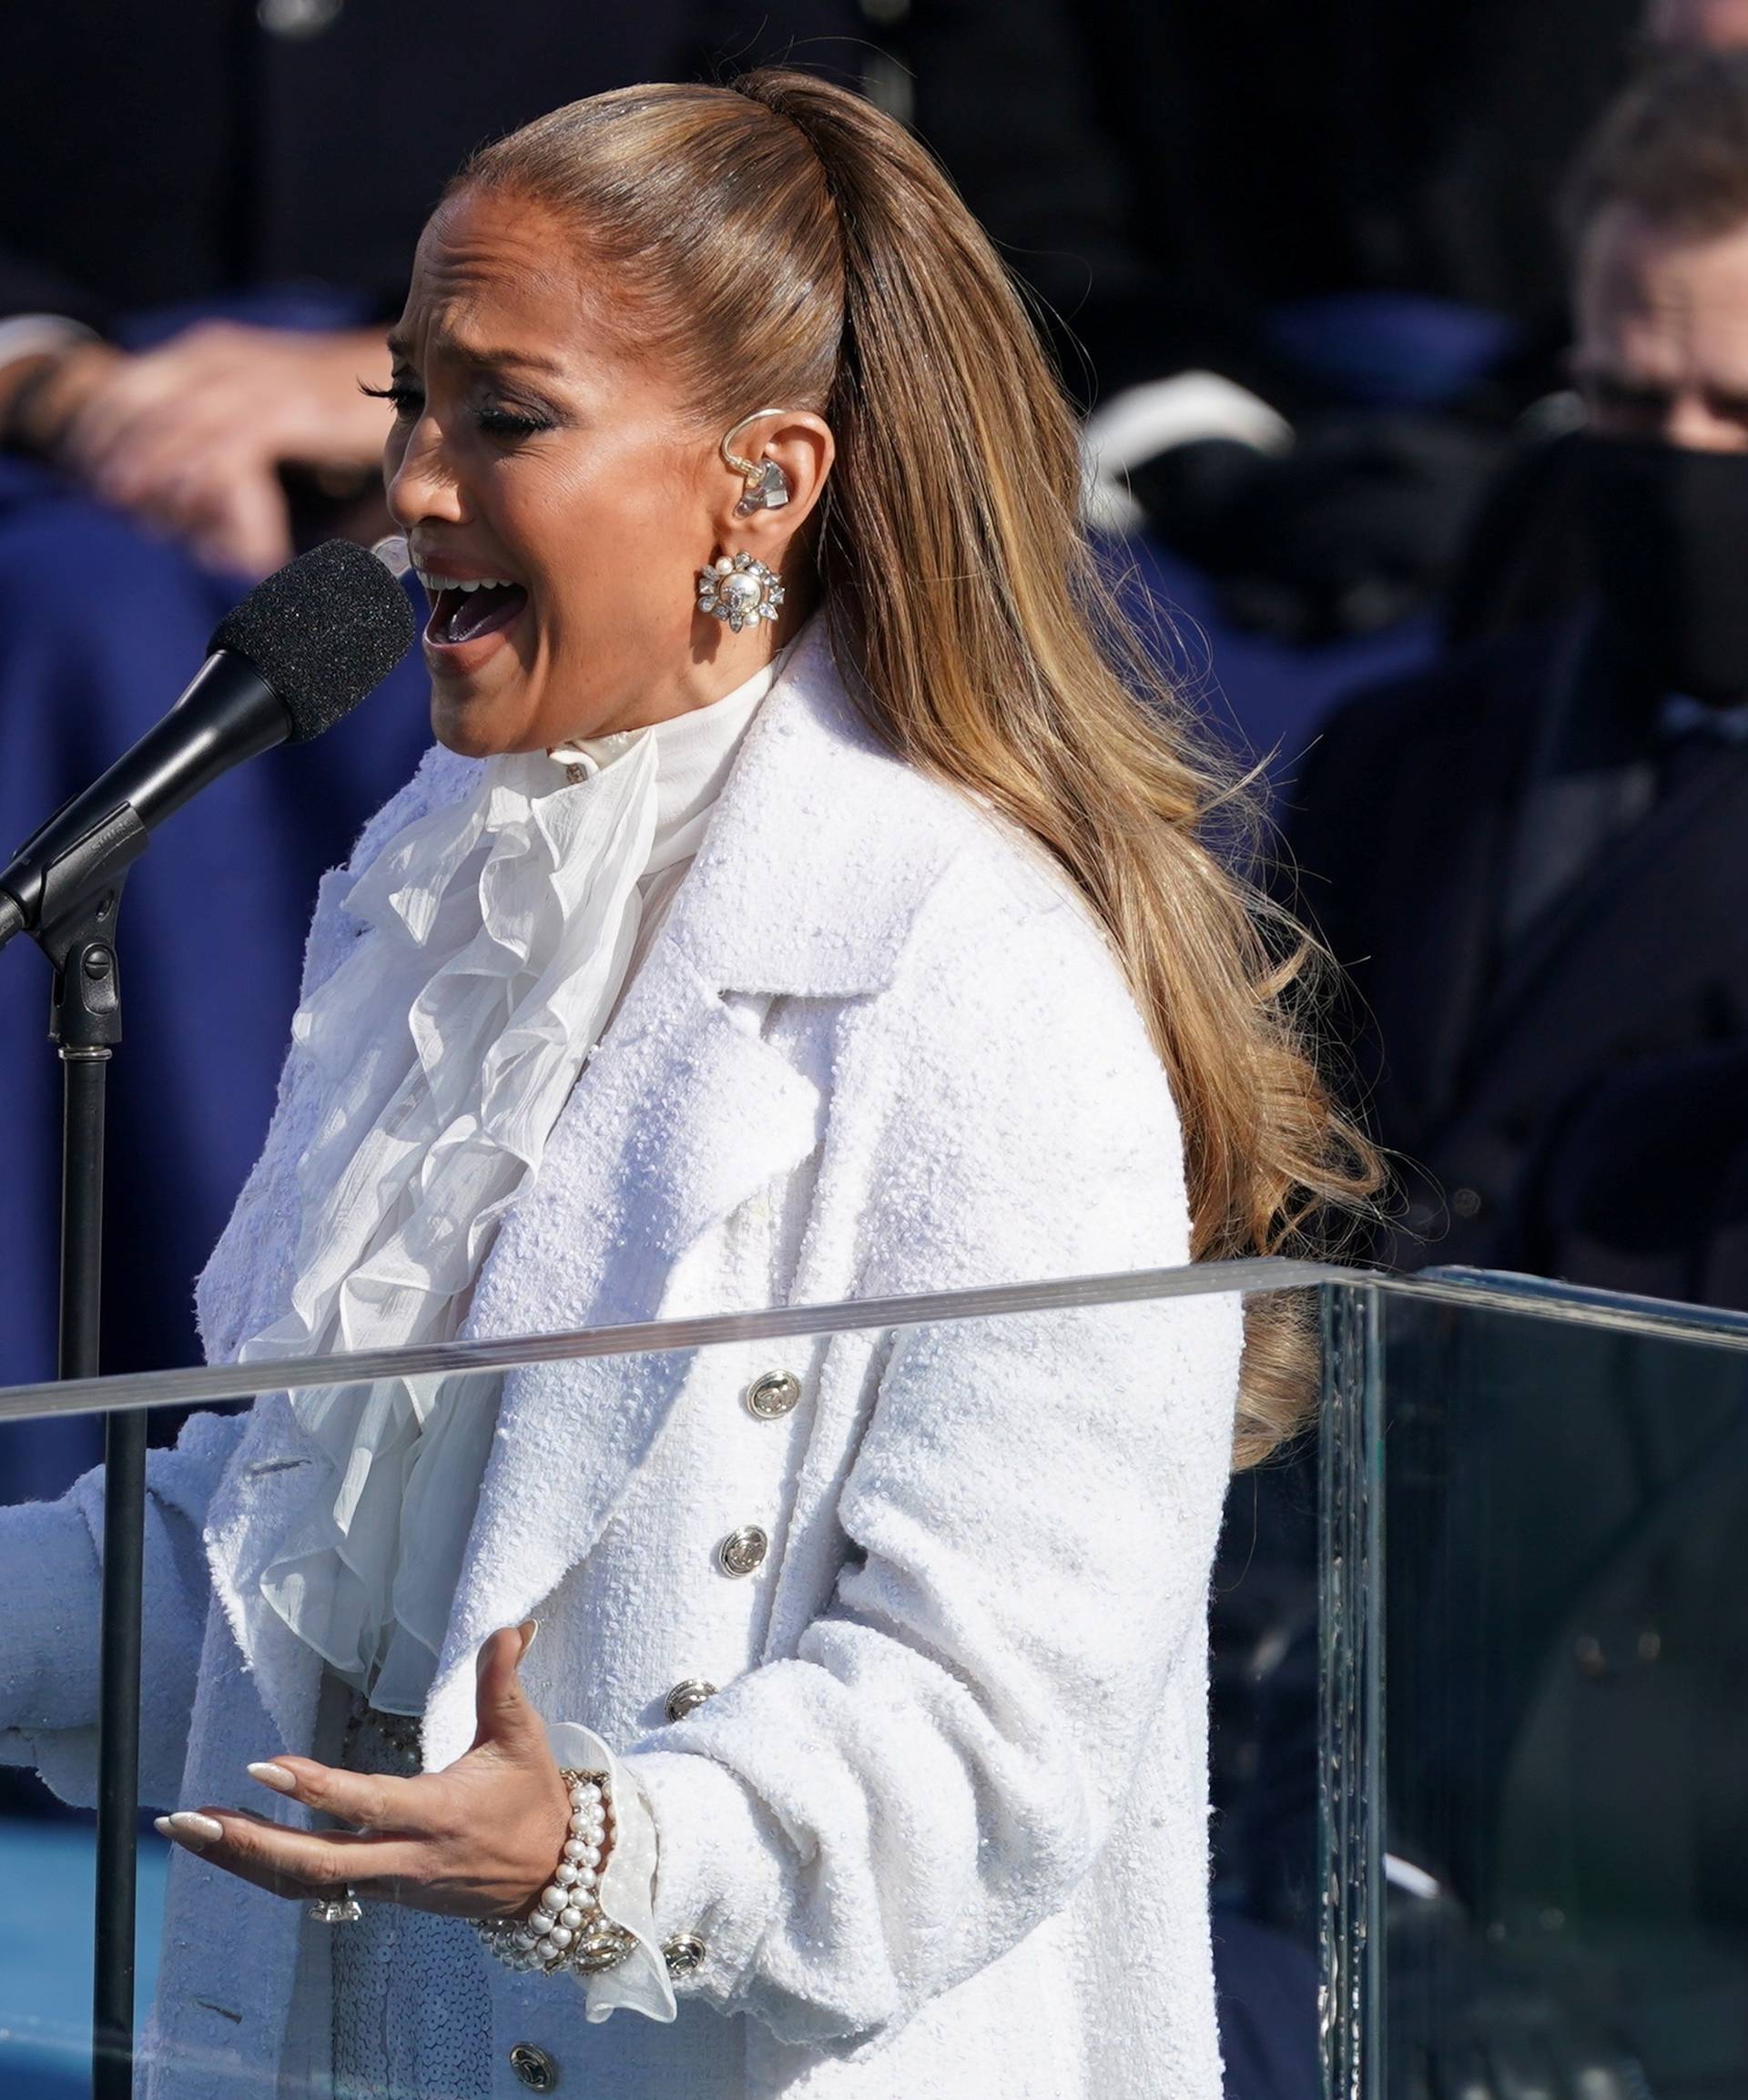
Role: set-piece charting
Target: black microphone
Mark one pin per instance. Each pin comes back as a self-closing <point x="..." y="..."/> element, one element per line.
<point x="297" y="656"/>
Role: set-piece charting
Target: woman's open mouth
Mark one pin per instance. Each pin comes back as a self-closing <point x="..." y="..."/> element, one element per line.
<point x="467" y="612"/>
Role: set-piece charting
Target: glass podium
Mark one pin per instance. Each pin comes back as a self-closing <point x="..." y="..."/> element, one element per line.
<point x="1559" y="1657"/>
<point x="1478" y="1666"/>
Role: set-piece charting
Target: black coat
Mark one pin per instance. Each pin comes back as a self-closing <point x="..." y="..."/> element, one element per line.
<point x="1402" y="824"/>
<point x="1643" y="1186"/>
<point x="153" y="154"/>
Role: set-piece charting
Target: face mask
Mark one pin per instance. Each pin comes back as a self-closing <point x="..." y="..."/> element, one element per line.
<point x="1669" y="531"/>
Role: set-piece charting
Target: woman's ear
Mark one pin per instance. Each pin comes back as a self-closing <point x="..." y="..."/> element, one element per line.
<point x="799" y="445"/>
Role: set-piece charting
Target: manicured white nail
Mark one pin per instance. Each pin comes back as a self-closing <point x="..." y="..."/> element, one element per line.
<point x="193" y="1829"/>
<point x="161" y="1824"/>
<point x="528" y="1629"/>
<point x="274" y="1776"/>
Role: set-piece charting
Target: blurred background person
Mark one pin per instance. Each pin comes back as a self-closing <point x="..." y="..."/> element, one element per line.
<point x="1527" y="857"/>
<point x="1301" y="264"/>
<point x="1526" y="556"/>
<point x="1524" y="858"/>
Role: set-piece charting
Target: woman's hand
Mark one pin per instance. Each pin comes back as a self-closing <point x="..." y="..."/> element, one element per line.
<point x="478" y="1839"/>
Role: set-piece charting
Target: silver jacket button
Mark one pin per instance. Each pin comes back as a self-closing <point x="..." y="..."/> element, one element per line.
<point x="684" y="1953"/>
<point x="534" y="2067"/>
<point x="772" y="1396"/>
<point x="743" y="1550"/>
<point x="688" y="1697"/>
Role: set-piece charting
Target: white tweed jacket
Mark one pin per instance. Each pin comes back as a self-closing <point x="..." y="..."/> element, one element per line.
<point x="941" y="1827"/>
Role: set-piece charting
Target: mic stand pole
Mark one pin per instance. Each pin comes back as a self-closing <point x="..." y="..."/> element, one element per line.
<point x="73" y="906"/>
<point x="87" y="1025"/>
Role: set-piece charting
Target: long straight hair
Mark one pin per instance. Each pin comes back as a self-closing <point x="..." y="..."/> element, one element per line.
<point x="781" y="240"/>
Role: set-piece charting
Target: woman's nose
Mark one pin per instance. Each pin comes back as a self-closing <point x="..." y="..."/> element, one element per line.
<point x="422" y="484"/>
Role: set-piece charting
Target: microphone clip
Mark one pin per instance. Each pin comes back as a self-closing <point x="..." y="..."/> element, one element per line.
<point x="85" y="1016"/>
<point x="82" y="879"/>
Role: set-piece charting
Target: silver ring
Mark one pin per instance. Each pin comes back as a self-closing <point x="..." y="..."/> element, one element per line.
<point x="340" y="1910"/>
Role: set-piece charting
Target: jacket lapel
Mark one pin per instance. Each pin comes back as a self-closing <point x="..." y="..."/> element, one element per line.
<point x="681" y="1116"/>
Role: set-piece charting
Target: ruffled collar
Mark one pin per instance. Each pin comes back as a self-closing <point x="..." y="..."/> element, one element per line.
<point x="695" y="755"/>
<point x="499" y="933"/>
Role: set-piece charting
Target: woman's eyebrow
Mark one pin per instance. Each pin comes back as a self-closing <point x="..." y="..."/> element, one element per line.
<point x="482" y="357"/>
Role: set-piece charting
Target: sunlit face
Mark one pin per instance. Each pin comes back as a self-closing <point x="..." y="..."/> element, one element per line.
<point x="533" y="454"/>
<point x="1662" y="333"/>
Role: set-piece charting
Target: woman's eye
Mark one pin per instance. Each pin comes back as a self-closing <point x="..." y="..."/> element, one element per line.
<point x="408" y="401"/>
<point x="405" y="400"/>
<point x="511" y="424"/>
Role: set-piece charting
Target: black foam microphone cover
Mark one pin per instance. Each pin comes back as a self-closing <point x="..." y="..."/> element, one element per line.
<point x="323" y="631"/>
<point x="299" y="654"/>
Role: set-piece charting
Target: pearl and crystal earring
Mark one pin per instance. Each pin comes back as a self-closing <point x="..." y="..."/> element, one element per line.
<point x="740" y="590"/>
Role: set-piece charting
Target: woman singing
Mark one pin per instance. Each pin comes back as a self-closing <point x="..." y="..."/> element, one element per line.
<point x="804" y="904"/>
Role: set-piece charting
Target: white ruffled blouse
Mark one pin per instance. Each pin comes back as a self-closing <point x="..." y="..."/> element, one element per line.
<point x="502" y="934"/>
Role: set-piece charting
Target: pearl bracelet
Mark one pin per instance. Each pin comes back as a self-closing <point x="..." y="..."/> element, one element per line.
<point x="567" y="1928"/>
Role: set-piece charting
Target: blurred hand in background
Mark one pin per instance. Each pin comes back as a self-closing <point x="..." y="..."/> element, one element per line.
<point x="191" y="436"/>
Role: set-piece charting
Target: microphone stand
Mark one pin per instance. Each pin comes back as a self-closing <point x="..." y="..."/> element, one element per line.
<point x="76" y="932"/>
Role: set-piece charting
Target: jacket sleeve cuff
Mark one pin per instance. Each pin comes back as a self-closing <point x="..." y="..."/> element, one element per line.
<point x="48" y="1646"/>
<point x="719" y="1875"/>
<point x="48" y="1630"/>
<point x="27" y="335"/>
<point x="640" y="1982"/>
